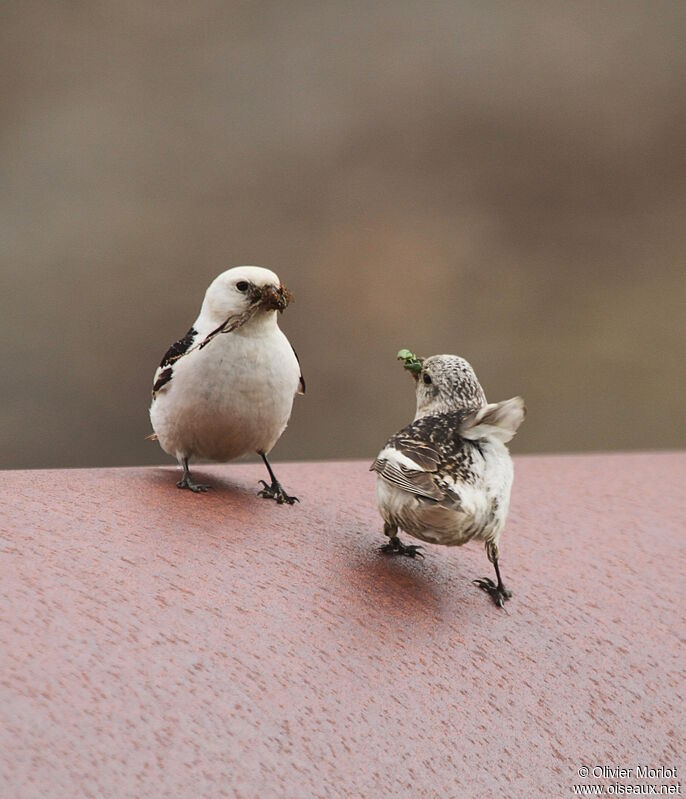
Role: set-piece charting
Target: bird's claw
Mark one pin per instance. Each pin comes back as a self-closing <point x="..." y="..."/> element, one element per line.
<point x="275" y="491"/>
<point x="499" y="594"/>
<point x="396" y="547"/>
<point x="196" y="488"/>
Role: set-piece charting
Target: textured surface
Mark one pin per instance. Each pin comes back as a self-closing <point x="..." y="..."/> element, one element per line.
<point x="160" y="643"/>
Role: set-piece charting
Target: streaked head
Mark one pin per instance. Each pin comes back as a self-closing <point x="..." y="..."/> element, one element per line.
<point x="244" y="287"/>
<point x="444" y="383"/>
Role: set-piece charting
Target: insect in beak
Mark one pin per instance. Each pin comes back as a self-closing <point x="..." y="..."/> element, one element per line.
<point x="411" y="362"/>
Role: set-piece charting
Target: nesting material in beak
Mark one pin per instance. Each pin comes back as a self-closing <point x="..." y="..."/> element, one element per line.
<point x="272" y="298"/>
<point x="411" y="362"/>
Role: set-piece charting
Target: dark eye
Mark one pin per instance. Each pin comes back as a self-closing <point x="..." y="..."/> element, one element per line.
<point x="242" y="285"/>
<point x="427" y="379"/>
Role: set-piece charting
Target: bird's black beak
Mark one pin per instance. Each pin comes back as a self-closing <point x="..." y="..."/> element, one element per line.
<point x="411" y="362"/>
<point x="274" y="298"/>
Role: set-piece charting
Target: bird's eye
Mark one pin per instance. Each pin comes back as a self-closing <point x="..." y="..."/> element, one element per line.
<point x="427" y="379"/>
<point x="242" y="285"/>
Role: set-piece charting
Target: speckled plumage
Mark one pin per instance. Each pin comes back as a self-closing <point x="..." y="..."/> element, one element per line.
<point x="434" y="441"/>
<point x="446" y="477"/>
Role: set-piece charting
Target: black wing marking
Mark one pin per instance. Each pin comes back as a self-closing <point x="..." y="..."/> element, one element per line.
<point x="162" y="379"/>
<point x="302" y="379"/>
<point x="178" y="348"/>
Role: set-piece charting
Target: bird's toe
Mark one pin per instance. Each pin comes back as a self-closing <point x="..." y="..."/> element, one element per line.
<point x="276" y="492"/>
<point x="196" y="488"/>
<point x="396" y="547"/>
<point x="499" y="594"/>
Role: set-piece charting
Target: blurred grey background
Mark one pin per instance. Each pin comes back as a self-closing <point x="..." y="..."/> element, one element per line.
<point x="502" y="180"/>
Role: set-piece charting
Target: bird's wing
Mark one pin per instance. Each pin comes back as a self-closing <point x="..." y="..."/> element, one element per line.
<point x="411" y="465"/>
<point x="422" y="453"/>
<point x="302" y="379"/>
<point x="166" y="368"/>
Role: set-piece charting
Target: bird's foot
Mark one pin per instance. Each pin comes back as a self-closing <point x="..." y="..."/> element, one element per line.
<point x="498" y="593"/>
<point x="396" y="547"/>
<point x="196" y="488"/>
<point x="275" y="491"/>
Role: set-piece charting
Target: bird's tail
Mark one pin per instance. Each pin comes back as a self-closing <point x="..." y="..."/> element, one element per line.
<point x="498" y="419"/>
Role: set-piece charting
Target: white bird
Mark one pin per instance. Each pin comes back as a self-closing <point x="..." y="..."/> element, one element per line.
<point x="227" y="387"/>
<point x="446" y="477"/>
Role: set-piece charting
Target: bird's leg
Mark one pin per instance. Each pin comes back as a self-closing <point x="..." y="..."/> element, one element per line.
<point x="498" y="593"/>
<point x="396" y="547"/>
<point x="275" y="490"/>
<point x="186" y="482"/>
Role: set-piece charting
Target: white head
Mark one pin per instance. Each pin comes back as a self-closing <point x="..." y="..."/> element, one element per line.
<point x="444" y="383"/>
<point x="244" y="289"/>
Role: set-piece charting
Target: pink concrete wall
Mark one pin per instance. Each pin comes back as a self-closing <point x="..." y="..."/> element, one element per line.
<point x="159" y="643"/>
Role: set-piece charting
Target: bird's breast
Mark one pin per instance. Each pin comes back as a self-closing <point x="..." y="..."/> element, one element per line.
<point x="231" y="397"/>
